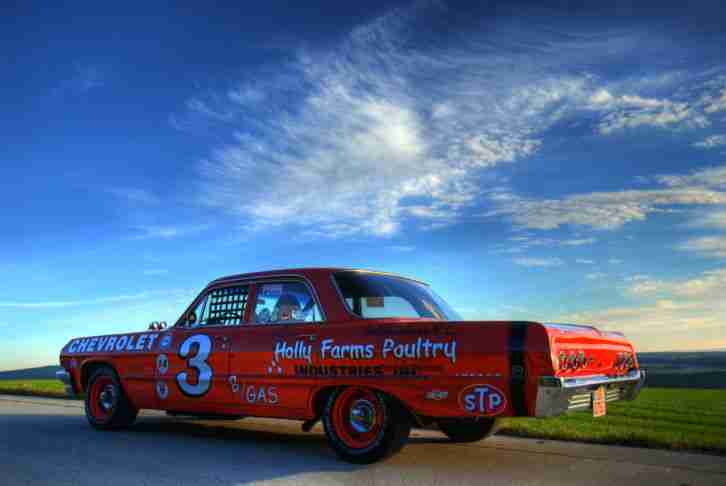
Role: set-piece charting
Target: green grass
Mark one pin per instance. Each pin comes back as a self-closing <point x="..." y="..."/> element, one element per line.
<point x="666" y="418"/>
<point x="43" y="388"/>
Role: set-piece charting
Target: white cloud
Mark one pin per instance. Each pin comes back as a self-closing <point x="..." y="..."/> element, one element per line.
<point x="632" y="111"/>
<point x="401" y="248"/>
<point x="712" y="219"/>
<point x="711" y="142"/>
<point x="714" y="103"/>
<point x="585" y="261"/>
<point x="72" y="303"/>
<point x="539" y="262"/>
<point x="685" y="313"/>
<point x="595" y="275"/>
<point x="710" y="246"/>
<point x="145" y="232"/>
<point x="611" y="210"/>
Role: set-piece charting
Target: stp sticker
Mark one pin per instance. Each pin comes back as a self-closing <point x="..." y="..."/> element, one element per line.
<point x="482" y="400"/>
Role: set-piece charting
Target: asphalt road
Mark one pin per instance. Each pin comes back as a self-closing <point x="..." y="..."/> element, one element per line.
<point x="47" y="441"/>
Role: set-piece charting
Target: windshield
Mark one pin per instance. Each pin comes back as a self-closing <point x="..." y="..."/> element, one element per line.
<point x="375" y="296"/>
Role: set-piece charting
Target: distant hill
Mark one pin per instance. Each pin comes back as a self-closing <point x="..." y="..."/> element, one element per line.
<point x="41" y="373"/>
<point x="691" y="369"/>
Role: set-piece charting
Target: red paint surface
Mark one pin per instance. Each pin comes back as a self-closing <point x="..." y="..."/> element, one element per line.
<point x="243" y="356"/>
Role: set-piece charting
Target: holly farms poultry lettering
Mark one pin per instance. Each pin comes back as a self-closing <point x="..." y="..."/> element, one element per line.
<point x="422" y="348"/>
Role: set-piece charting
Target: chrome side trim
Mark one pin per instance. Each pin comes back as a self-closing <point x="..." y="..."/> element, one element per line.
<point x="556" y="395"/>
<point x="67" y="381"/>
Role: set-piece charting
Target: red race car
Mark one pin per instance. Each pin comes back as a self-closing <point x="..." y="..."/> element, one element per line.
<point x="370" y="354"/>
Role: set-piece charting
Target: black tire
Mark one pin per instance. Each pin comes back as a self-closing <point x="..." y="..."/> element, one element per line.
<point x="393" y="426"/>
<point x="468" y="429"/>
<point x="107" y="406"/>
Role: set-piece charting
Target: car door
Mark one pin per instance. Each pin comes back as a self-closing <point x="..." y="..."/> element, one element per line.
<point x="193" y="376"/>
<point x="280" y="338"/>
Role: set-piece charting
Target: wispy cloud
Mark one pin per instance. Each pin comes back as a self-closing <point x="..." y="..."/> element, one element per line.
<point x="710" y="246"/>
<point x="83" y="79"/>
<point x="393" y="127"/>
<point x="711" y="142"/>
<point x="632" y="111"/>
<point x="611" y="210"/>
<point x="401" y="248"/>
<point x="146" y="232"/>
<point x="538" y="262"/>
<point x="50" y="304"/>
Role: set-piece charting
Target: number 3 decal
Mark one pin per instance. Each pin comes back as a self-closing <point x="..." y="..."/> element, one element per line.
<point x="199" y="363"/>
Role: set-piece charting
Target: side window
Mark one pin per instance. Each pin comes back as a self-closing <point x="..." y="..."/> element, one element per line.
<point x="220" y="307"/>
<point x="194" y="318"/>
<point x="285" y="302"/>
<point x="226" y="306"/>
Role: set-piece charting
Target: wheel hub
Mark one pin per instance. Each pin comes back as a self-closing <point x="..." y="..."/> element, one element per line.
<point x="362" y="416"/>
<point x="107" y="397"/>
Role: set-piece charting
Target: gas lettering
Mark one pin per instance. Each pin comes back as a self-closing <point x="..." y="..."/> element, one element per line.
<point x="261" y="395"/>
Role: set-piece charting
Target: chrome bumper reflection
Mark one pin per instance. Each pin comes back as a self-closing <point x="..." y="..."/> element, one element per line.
<point x="67" y="380"/>
<point x="556" y="396"/>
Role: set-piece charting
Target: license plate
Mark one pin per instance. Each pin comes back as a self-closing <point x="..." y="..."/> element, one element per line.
<point x="599" y="405"/>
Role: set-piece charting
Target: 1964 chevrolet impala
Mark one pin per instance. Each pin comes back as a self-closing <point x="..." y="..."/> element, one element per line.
<point x="369" y="353"/>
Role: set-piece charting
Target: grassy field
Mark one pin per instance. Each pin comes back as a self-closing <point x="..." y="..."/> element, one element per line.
<point x="667" y="418"/>
<point x="45" y="388"/>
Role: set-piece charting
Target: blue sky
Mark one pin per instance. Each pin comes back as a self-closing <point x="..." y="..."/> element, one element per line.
<point x="530" y="163"/>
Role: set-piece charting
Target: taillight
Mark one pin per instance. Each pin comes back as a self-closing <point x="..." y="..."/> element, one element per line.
<point x="624" y="361"/>
<point x="573" y="360"/>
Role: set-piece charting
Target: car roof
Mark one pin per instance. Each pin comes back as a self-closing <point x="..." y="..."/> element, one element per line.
<point x="305" y="272"/>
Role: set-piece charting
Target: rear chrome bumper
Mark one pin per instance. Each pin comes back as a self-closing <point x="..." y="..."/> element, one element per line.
<point x="556" y="396"/>
<point x="67" y="380"/>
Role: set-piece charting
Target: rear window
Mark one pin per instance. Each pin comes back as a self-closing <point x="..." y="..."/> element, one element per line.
<point x="371" y="296"/>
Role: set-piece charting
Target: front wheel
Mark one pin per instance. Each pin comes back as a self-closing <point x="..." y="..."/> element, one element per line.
<point x="468" y="429"/>
<point x="365" y="425"/>
<point x="107" y="406"/>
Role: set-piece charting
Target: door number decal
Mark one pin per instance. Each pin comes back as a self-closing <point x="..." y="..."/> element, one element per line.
<point x="196" y="351"/>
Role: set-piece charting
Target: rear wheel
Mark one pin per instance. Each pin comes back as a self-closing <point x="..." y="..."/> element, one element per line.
<point x="365" y="425"/>
<point x="468" y="429"/>
<point x="107" y="406"/>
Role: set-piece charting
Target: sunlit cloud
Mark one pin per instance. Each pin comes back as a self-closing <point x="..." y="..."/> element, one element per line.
<point x="612" y="210"/>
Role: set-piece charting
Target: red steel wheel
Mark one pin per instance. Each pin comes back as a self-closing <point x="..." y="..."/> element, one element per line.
<point x="103" y="397"/>
<point x="364" y="425"/>
<point x="358" y="415"/>
<point x="107" y="406"/>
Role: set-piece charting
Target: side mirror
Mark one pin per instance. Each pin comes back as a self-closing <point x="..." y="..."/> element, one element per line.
<point x="191" y="317"/>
